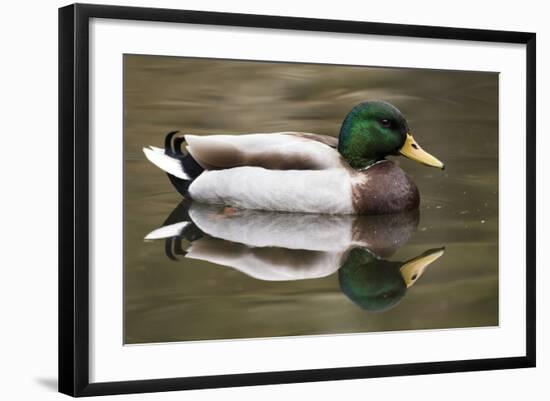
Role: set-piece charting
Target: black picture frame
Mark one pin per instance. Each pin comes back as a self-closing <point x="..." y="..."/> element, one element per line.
<point x="74" y="198"/>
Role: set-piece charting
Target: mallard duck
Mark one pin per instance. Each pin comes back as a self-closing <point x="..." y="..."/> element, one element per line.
<point x="301" y="172"/>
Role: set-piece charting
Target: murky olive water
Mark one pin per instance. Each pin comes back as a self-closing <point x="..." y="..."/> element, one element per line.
<point x="453" y="115"/>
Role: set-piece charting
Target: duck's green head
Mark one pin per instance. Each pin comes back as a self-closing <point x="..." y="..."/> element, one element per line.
<point x="375" y="129"/>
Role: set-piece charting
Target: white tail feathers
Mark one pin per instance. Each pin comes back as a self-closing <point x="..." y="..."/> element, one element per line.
<point x="165" y="162"/>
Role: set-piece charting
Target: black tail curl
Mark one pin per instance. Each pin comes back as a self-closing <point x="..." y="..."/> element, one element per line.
<point x="172" y="148"/>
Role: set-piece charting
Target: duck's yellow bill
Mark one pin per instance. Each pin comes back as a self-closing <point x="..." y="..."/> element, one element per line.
<point x="414" y="152"/>
<point x="414" y="268"/>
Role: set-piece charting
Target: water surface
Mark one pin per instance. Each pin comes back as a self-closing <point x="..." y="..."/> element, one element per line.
<point x="453" y="115"/>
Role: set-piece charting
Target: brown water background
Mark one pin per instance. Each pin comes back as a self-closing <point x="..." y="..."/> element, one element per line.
<point x="453" y="115"/>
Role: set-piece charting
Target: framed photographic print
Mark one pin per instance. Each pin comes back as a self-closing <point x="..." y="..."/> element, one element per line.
<point x="250" y="199"/>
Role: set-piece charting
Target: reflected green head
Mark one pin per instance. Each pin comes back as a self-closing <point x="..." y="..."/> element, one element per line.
<point x="371" y="283"/>
<point x="371" y="131"/>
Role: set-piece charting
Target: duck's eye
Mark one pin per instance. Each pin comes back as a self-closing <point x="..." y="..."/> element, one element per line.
<point x="386" y="123"/>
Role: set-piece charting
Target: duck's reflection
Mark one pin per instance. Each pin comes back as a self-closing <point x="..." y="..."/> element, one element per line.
<point x="291" y="246"/>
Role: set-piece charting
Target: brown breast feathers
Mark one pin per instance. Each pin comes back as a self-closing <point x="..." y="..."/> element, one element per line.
<point x="382" y="189"/>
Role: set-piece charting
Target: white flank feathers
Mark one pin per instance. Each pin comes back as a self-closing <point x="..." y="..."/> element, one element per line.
<point x="306" y="191"/>
<point x="164" y="162"/>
